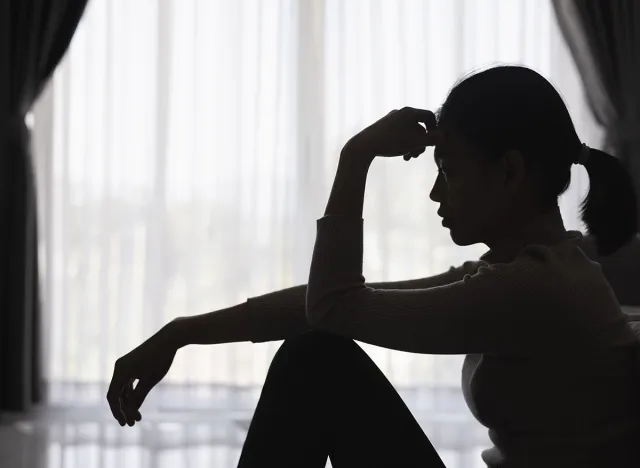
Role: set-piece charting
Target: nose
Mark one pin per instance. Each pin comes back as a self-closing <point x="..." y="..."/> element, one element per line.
<point x="436" y="193"/>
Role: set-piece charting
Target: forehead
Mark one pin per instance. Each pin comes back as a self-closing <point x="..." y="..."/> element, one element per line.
<point x="447" y="149"/>
<point x="453" y="148"/>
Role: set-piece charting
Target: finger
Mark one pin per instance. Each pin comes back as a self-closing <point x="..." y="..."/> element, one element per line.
<point x="413" y="154"/>
<point x="124" y="406"/>
<point x="141" y="391"/>
<point x="116" y="411"/>
<point x="114" y="393"/>
<point x="418" y="138"/>
<point x="131" y="411"/>
<point x="133" y="400"/>
<point x="128" y="404"/>
<point x="433" y="138"/>
<point x="422" y="115"/>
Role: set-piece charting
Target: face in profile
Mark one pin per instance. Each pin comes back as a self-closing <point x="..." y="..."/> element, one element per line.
<point x="467" y="189"/>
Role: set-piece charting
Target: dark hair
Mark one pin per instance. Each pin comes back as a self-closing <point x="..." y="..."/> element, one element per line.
<point x="513" y="107"/>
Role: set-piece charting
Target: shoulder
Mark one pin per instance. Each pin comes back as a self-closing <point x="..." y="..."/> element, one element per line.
<point x="561" y="275"/>
<point x="470" y="267"/>
<point x="568" y="278"/>
<point x="540" y="275"/>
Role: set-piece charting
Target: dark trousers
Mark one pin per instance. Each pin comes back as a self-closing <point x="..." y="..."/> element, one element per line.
<point x="324" y="397"/>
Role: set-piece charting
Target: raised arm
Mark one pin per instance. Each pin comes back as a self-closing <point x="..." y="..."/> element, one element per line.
<point x="495" y="309"/>
<point x="281" y="314"/>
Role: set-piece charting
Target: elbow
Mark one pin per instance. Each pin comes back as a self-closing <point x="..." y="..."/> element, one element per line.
<point x="310" y="313"/>
<point x="313" y="301"/>
<point x="312" y="320"/>
<point x="317" y="308"/>
<point x="326" y="314"/>
<point x="314" y="313"/>
<point x="331" y="309"/>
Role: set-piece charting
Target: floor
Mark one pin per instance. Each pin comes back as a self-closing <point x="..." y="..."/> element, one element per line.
<point x="90" y="438"/>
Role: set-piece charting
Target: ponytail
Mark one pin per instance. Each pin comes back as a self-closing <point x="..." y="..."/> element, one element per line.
<point x="513" y="107"/>
<point x="609" y="210"/>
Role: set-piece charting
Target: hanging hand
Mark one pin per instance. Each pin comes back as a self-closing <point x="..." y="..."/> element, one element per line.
<point x="148" y="363"/>
<point x="398" y="133"/>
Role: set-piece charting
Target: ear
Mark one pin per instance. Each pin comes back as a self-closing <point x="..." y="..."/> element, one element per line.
<point x="514" y="170"/>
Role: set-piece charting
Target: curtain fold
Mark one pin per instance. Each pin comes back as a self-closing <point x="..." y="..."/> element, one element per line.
<point x="36" y="35"/>
<point x="604" y="38"/>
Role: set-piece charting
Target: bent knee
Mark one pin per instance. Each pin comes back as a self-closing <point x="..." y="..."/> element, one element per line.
<point x="318" y="343"/>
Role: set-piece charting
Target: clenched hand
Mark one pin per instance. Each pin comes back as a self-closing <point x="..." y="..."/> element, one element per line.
<point x="399" y="133"/>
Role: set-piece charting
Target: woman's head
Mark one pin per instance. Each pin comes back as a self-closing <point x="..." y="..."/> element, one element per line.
<point x="507" y="155"/>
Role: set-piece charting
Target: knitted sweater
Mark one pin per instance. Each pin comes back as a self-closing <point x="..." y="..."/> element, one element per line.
<point x="551" y="360"/>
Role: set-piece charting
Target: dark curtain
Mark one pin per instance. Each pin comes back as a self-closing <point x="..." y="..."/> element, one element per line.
<point x="604" y="38"/>
<point x="34" y="35"/>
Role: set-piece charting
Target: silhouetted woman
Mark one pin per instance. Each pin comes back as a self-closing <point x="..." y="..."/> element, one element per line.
<point x="551" y="363"/>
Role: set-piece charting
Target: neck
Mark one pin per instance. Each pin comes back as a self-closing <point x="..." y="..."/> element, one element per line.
<point x="541" y="228"/>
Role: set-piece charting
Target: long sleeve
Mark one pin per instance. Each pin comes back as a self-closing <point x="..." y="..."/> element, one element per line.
<point x="280" y="314"/>
<point x="501" y="308"/>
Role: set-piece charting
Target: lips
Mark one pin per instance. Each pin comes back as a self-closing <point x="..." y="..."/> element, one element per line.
<point x="444" y="218"/>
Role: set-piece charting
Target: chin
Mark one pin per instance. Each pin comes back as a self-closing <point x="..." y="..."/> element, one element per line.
<point x="462" y="238"/>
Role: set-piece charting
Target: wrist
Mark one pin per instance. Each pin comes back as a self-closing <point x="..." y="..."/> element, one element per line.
<point x="353" y="150"/>
<point x="174" y="335"/>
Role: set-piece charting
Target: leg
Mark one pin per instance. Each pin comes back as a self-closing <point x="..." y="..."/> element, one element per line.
<point x="323" y="396"/>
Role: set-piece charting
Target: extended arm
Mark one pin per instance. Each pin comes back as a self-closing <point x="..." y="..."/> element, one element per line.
<point x="280" y="314"/>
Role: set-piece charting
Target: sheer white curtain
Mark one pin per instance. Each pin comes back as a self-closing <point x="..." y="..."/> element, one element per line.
<point x="186" y="147"/>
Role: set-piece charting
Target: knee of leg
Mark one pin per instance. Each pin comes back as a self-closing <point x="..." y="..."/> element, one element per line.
<point x="318" y="343"/>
